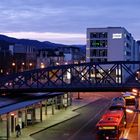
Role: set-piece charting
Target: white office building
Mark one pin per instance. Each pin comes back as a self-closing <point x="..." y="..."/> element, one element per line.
<point x="111" y="44"/>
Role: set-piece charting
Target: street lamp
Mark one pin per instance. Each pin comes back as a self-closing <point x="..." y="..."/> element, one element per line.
<point x="42" y="66"/>
<point x="23" y="66"/>
<point x="57" y="63"/>
<point x="14" y="67"/>
<point x="13" y="64"/>
<point x="30" y="65"/>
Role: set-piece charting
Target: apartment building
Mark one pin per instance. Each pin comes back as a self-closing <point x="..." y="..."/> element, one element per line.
<point x="110" y="44"/>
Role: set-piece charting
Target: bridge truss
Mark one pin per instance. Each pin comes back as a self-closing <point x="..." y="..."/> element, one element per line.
<point x="101" y="76"/>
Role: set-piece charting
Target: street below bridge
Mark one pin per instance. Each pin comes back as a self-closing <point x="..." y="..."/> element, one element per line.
<point x="82" y="127"/>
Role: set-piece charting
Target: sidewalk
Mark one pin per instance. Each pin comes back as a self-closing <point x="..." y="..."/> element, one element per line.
<point x="139" y="121"/>
<point x="52" y="120"/>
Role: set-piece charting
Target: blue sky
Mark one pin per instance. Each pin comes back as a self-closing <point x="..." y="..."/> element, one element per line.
<point x="66" y="21"/>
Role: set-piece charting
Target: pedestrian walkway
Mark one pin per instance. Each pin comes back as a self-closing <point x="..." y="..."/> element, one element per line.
<point x="139" y="121"/>
<point x="52" y="120"/>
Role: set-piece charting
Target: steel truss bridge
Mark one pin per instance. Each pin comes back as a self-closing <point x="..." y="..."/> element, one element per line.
<point x="101" y="76"/>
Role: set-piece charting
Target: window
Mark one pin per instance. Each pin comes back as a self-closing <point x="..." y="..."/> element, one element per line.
<point x="98" y="43"/>
<point x="98" y="53"/>
<point x="99" y="60"/>
<point x="91" y="60"/>
<point x="98" y="35"/>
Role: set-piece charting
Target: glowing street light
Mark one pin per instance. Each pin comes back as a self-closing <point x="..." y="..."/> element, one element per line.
<point x="57" y="63"/>
<point x="42" y="66"/>
<point x="13" y="64"/>
<point x="30" y="64"/>
<point x="14" y="67"/>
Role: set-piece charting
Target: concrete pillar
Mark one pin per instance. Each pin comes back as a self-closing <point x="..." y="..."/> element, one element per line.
<point x="33" y="114"/>
<point x="8" y="129"/>
<point x="52" y="106"/>
<point x="62" y="101"/>
<point x="41" y="111"/>
<point x="70" y="95"/>
<point x="55" y="103"/>
<point x="67" y="99"/>
<point x="46" y="108"/>
<point x="26" y="117"/>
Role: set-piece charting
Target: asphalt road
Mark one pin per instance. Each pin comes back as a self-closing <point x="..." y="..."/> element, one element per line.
<point x="81" y="127"/>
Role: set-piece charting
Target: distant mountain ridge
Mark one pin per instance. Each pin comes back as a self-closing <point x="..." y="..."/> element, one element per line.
<point x="36" y="43"/>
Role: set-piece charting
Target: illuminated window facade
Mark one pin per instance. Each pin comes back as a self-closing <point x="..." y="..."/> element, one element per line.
<point x="98" y="43"/>
<point x="110" y="44"/>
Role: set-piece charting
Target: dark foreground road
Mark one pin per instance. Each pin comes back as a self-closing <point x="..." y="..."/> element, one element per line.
<point x="80" y="128"/>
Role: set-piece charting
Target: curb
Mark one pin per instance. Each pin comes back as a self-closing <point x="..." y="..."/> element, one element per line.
<point x="54" y="124"/>
<point x="84" y="105"/>
<point x="81" y="106"/>
<point x="62" y="120"/>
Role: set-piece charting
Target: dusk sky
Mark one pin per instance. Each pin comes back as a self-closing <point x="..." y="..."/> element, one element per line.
<point x="66" y="21"/>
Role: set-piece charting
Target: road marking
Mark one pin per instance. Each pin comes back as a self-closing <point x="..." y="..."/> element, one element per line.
<point x="87" y="123"/>
<point x="127" y="131"/>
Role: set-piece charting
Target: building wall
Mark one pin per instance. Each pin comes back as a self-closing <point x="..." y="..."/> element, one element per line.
<point x="120" y="44"/>
<point x="24" y="57"/>
<point x="116" y="45"/>
<point x="111" y="44"/>
<point x="6" y="54"/>
<point x="49" y="57"/>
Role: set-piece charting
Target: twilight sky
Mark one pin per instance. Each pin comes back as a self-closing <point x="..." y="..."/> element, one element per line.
<point x="66" y="21"/>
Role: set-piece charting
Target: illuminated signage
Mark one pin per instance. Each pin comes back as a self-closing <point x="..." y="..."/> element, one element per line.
<point x="117" y="35"/>
<point x="107" y="127"/>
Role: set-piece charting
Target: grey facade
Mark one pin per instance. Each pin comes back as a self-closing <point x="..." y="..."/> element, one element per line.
<point x="110" y="44"/>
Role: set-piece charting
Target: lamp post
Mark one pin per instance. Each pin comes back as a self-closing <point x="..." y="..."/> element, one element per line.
<point x="30" y="65"/>
<point x="42" y="66"/>
<point x="14" y="67"/>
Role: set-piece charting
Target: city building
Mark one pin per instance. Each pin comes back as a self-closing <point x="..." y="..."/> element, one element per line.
<point x="138" y="43"/>
<point x="110" y="44"/>
<point x="24" y="57"/>
<point x="72" y="54"/>
<point x="49" y="57"/>
<point x="6" y="55"/>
